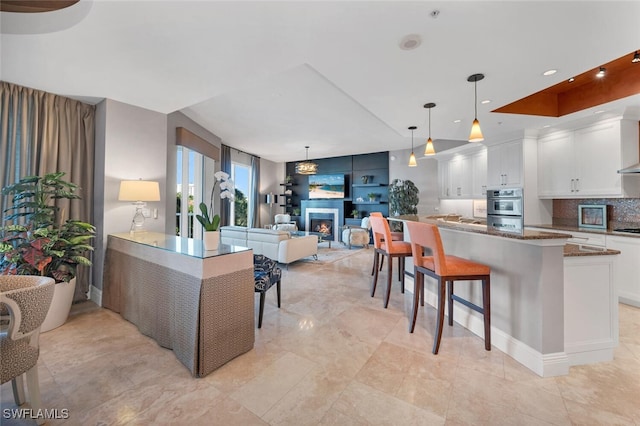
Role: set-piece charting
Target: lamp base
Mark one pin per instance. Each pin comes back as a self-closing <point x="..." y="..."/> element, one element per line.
<point x="137" y="223"/>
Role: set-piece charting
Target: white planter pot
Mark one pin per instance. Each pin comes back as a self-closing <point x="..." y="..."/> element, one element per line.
<point x="60" y="305"/>
<point x="211" y="240"/>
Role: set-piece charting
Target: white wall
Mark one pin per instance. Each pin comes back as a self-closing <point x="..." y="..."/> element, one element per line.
<point x="424" y="176"/>
<point x="131" y="143"/>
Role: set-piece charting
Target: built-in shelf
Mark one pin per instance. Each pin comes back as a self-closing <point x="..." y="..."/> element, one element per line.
<point x="369" y="202"/>
<point x="368" y="184"/>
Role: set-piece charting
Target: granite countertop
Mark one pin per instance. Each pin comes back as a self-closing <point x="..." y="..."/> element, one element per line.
<point x="586" y="230"/>
<point x="571" y="250"/>
<point x="482" y="229"/>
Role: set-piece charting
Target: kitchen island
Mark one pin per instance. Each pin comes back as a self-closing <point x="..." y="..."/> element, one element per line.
<point x="533" y="312"/>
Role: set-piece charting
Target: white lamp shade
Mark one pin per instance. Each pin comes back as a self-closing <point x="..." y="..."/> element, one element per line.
<point x="139" y="190"/>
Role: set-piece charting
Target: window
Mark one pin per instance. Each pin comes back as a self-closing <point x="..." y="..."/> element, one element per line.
<point x="241" y="175"/>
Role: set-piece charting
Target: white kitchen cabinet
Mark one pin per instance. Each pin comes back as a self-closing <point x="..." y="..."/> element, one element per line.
<point x="443" y="178"/>
<point x="585" y="162"/>
<point x="479" y="174"/>
<point x="460" y="176"/>
<point x="504" y="164"/>
<point x="590" y="309"/>
<point x="627" y="270"/>
<point x="463" y="176"/>
<point x="555" y="152"/>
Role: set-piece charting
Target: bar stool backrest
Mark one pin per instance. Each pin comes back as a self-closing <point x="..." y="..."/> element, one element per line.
<point x="425" y="235"/>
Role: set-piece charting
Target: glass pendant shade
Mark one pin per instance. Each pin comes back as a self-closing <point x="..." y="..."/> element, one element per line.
<point x="412" y="157"/>
<point x="476" y="133"/>
<point x="428" y="149"/>
<point x="412" y="160"/>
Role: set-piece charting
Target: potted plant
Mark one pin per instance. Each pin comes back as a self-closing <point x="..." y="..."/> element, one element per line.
<point x="39" y="243"/>
<point x="373" y="196"/>
<point x="296" y="211"/>
<point x="403" y="199"/>
<point x="355" y="213"/>
<point x="211" y="235"/>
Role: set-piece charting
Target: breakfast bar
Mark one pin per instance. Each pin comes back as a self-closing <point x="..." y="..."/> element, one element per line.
<point x="198" y="303"/>
<point x="541" y="291"/>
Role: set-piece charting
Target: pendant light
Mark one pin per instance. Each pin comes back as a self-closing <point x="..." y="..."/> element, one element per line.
<point x="428" y="149"/>
<point x="476" y="133"/>
<point x="306" y="167"/>
<point x="412" y="157"/>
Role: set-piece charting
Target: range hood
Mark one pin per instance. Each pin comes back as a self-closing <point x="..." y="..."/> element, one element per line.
<point x="636" y="167"/>
<point x="631" y="169"/>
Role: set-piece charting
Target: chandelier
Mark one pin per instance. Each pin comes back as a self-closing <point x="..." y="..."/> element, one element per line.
<point x="306" y="167"/>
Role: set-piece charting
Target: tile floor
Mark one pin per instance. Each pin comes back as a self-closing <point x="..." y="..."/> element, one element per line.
<point x="331" y="356"/>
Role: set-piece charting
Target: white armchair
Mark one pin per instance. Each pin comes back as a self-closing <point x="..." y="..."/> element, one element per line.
<point x="283" y="222"/>
<point x="357" y="235"/>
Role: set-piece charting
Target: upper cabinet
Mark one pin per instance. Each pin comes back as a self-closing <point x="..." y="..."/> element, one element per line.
<point x="504" y="164"/>
<point x="464" y="175"/>
<point x="585" y="162"/>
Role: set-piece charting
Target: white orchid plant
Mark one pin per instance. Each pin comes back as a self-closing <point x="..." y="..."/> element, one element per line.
<point x="227" y="190"/>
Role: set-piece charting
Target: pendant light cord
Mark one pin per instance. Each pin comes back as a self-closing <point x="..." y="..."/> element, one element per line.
<point x="429" y="123"/>
<point x="475" y="104"/>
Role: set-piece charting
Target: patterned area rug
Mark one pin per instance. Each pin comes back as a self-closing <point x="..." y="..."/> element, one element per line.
<point x="333" y="254"/>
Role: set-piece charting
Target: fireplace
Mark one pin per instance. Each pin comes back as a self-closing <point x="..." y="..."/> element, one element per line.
<point x="323" y="220"/>
<point x="322" y="225"/>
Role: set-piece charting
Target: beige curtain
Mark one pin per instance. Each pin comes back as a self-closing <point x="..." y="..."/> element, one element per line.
<point x="43" y="133"/>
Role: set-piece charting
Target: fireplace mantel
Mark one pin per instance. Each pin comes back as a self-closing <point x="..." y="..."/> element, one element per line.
<point x="336" y="207"/>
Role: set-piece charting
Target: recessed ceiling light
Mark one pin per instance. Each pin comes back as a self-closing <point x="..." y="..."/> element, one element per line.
<point x="410" y="42"/>
<point x="486" y="101"/>
<point x="636" y="57"/>
<point x="549" y="72"/>
<point x="600" y="111"/>
<point x="546" y="126"/>
<point x="571" y="80"/>
<point x="601" y="72"/>
<point x="457" y="121"/>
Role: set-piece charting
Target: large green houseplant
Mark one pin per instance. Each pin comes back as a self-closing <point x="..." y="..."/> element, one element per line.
<point x="403" y="199"/>
<point x="39" y="241"/>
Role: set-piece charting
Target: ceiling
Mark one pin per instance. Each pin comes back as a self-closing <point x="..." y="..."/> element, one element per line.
<point x="272" y="77"/>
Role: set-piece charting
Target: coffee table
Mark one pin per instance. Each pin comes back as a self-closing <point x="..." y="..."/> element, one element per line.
<point x="322" y="236"/>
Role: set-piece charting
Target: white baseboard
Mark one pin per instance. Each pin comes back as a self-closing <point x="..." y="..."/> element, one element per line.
<point x="629" y="301"/>
<point x="95" y="295"/>
<point x="548" y="365"/>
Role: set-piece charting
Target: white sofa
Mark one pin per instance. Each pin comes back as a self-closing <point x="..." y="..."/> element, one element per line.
<point x="276" y="245"/>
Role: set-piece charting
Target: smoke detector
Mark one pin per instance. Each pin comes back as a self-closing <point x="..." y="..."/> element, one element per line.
<point x="410" y="42"/>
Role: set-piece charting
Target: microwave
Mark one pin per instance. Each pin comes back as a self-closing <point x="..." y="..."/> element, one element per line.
<point x="505" y="202"/>
<point x="593" y="216"/>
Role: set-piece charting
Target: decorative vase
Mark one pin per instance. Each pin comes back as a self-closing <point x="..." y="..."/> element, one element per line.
<point x="60" y="305"/>
<point x="365" y="179"/>
<point x="211" y="240"/>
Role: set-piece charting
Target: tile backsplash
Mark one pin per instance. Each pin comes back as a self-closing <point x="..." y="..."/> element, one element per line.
<point x="625" y="212"/>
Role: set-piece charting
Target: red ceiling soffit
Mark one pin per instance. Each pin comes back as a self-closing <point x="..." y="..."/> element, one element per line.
<point x="622" y="79"/>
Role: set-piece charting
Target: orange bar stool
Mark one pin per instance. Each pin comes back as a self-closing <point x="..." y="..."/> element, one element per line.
<point x="445" y="269"/>
<point x="395" y="236"/>
<point x="385" y="246"/>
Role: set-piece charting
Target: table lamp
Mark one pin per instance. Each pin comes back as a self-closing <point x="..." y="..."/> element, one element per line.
<point x="138" y="191"/>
